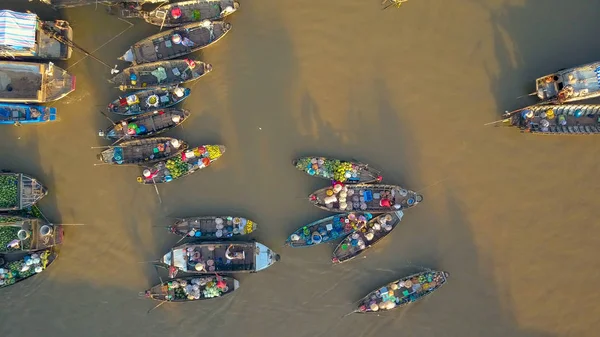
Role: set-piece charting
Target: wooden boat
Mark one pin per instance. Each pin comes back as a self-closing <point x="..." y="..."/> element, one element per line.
<point x="19" y="191"/>
<point x="184" y="12"/>
<point x="211" y="257"/>
<point x="149" y="100"/>
<point x="327" y="229"/>
<point x="180" y="166"/>
<point x="159" y="74"/>
<point x="146" y="125"/>
<point x="18" y="267"/>
<point x="23" y="234"/>
<point x="197" y="288"/>
<point x="346" y="172"/>
<point x="18" y="114"/>
<point x="212" y="227"/>
<point x="176" y="42"/>
<point x="364" y="238"/>
<point x="565" y="119"/>
<point x="26" y="82"/>
<point x="143" y="151"/>
<point x="373" y="198"/>
<point x="402" y="292"/>
<point x="570" y="85"/>
<point x="24" y="37"/>
<point x="59" y="4"/>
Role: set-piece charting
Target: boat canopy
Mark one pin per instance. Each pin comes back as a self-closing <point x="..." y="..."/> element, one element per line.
<point x="17" y="30"/>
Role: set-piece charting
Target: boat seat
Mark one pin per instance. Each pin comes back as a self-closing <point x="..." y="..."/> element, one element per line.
<point x="161" y="14"/>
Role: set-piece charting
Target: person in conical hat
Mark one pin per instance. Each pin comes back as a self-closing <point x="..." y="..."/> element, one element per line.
<point x="179" y="92"/>
<point x="147" y="173"/>
<point x="175" y="143"/>
<point x="176" y="118"/>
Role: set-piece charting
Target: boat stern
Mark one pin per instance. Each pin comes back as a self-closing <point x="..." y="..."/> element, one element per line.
<point x="51" y="114"/>
<point x="236" y="284"/>
<point x="57" y="83"/>
<point x="264" y="257"/>
<point x="399" y="214"/>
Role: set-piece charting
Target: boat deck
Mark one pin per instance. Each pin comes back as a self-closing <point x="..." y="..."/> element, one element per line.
<point x="20" y="82"/>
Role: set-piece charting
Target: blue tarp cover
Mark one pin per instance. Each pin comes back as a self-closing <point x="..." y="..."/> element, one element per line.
<point x="17" y="29"/>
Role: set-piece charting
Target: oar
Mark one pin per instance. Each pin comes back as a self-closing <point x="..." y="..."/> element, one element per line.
<point x="498" y="121"/>
<point x="158" y="305"/>
<point x="156" y="189"/>
<point x="102" y="164"/>
<point x="101" y="147"/>
<point x="522" y="96"/>
<point x="103" y="114"/>
<point x="69" y="224"/>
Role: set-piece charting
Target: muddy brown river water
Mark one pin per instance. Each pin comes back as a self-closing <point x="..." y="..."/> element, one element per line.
<point x="510" y="216"/>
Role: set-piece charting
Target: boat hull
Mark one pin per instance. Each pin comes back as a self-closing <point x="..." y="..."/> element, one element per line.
<point x="189" y="38"/>
<point x="12" y="271"/>
<point x="211" y="257"/>
<point x="176" y="290"/>
<point x="22" y="114"/>
<point x="338" y="170"/>
<point x="402" y="292"/>
<point x="372" y="198"/>
<point x="189" y="162"/>
<point x="327" y="229"/>
<point x="148" y="124"/>
<point x="148" y="100"/>
<point x="191" y="11"/>
<point x="358" y="242"/>
<point x="212" y="227"/>
<point x="160" y="74"/>
<point x="564" y="119"/>
<point x="143" y="151"/>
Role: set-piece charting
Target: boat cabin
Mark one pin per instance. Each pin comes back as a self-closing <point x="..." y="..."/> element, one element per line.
<point x="24" y="36"/>
<point x="25" y="82"/>
<point x="570" y="85"/>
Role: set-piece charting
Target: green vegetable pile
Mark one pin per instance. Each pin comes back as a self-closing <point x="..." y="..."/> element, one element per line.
<point x="303" y="163"/>
<point x="177" y="167"/>
<point x="340" y="171"/>
<point x="9" y="191"/>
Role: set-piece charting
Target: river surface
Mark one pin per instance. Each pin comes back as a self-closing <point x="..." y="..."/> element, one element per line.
<point x="510" y="216"/>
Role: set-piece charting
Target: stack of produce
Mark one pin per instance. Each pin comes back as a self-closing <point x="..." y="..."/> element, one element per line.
<point x="213" y="151"/>
<point x="28" y="266"/>
<point x="327" y="168"/>
<point x="176" y="167"/>
<point x="9" y="191"/>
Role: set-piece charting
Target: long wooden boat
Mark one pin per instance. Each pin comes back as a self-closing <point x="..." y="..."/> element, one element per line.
<point x="570" y="85"/>
<point x="176" y="42"/>
<point x="343" y="171"/>
<point x="59" y="4"/>
<point x="564" y="119"/>
<point x="159" y="74"/>
<point x="19" y="191"/>
<point x="364" y="238"/>
<point x="26" y="82"/>
<point x="187" y="289"/>
<point x="184" y="12"/>
<point x="25" y="37"/>
<point x="18" y="267"/>
<point x="212" y="227"/>
<point x="402" y="292"/>
<point x="143" y="151"/>
<point x="149" y="100"/>
<point x="328" y="229"/>
<point x="373" y="198"/>
<point x="211" y="257"/>
<point x="23" y="234"/>
<point x="146" y="125"/>
<point x="18" y="114"/>
<point x="177" y="167"/>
